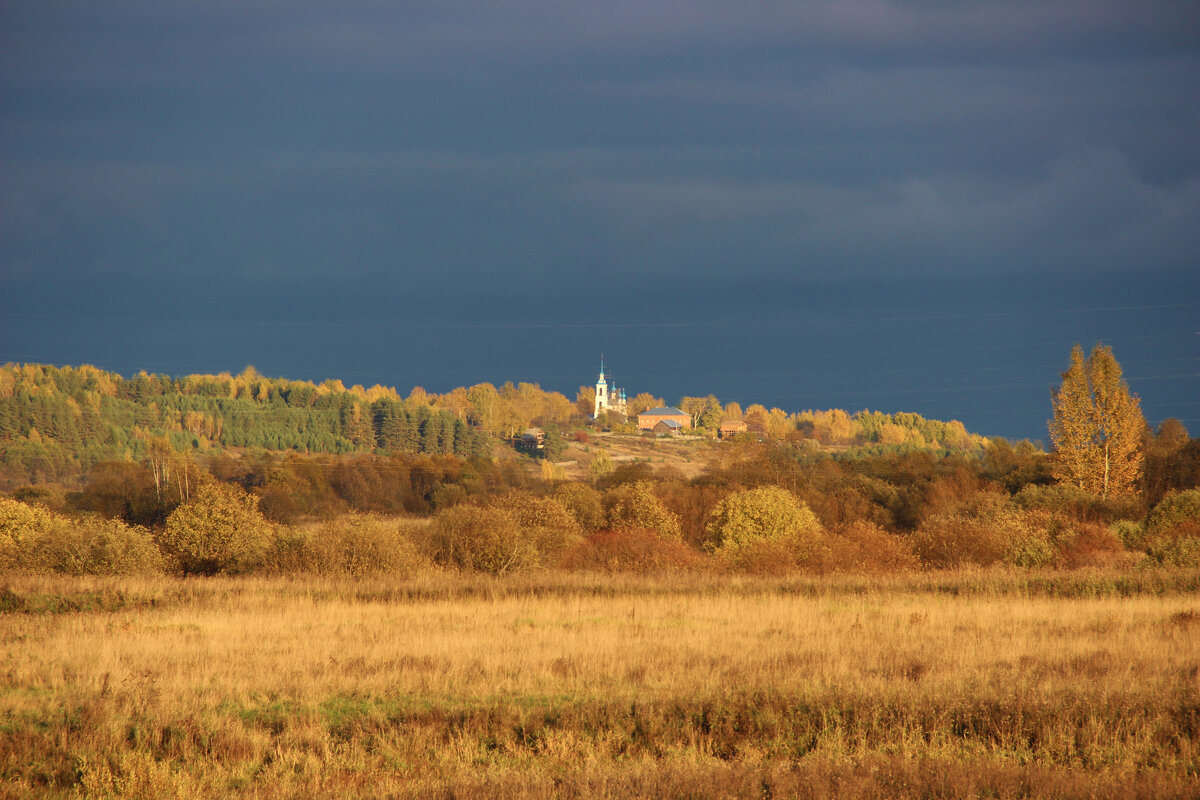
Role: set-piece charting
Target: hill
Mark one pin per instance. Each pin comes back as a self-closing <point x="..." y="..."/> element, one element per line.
<point x="56" y="423"/>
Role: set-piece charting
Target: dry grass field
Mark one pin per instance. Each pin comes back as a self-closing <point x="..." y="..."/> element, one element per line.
<point x="951" y="685"/>
<point x="685" y="456"/>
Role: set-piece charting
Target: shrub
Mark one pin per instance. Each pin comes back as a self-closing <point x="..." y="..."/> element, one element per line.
<point x="484" y="539"/>
<point x="775" y="557"/>
<point x="219" y="529"/>
<point x="446" y="495"/>
<point x="863" y="546"/>
<point x="96" y="546"/>
<point x="51" y="497"/>
<point x="545" y="520"/>
<point x="693" y="505"/>
<point x="766" y="531"/>
<point x="18" y="520"/>
<point x="533" y="511"/>
<point x="1131" y="533"/>
<point x="584" y="503"/>
<point x="630" y="551"/>
<point x="1175" y="508"/>
<point x="630" y="472"/>
<point x="34" y="539"/>
<point x="1029" y="539"/>
<point x="601" y="464"/>
<point x="634" y="506"/>
<point x="765" y="514"/>
<point x="984" y="530"/>
<point x="1087" y="544"/>
<point x="295" y="489"/>
<point x="1074" y="502"/>
<point x="19" y="525"/>
<point x="1181" y="548"/>
<point x="358" y="545"/>
<point x="1172" y="534"/>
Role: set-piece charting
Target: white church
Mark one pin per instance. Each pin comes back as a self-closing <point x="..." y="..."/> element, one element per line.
<point x="608" y="399"/>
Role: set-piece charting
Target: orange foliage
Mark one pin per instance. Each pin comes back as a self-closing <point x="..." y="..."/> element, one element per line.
<point x="635" y="550"/>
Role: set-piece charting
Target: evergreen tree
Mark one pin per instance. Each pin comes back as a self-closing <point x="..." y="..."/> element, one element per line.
<point x="430" y="433"/>
<point x="408" y="431"/>
<point x="390" y="422"/>
<point x="445" y="431"/>
<point x="553" y="444"/>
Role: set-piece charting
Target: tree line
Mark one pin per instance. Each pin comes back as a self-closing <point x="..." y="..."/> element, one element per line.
<point x="1113" y="493"/>
<point x="58" y="422"/>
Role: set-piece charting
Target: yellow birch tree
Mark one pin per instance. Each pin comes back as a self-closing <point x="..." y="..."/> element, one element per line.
<point x="1097" y="426"/>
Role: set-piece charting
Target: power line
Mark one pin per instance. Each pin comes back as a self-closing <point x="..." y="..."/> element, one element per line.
<point x="578" y="325"/>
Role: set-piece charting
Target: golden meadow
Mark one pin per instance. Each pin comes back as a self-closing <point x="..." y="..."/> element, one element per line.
<point x="996" y="683"/>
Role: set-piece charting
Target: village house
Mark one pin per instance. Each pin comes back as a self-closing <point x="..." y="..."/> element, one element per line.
<point x="647" y="420"/>
<point x="731" y="428"/>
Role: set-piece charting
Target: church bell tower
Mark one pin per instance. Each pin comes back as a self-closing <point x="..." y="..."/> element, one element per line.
<point x="601" y="392"/>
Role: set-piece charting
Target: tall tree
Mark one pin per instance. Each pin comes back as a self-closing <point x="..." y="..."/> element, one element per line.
<point x="585" y="401"/>
<point x="553" y="444"/>
<point x="485" y="407"/>
<point x="756" y="418"/>
<point x="644" y="401"/>
<point x="159" y="458"/>
<point x="704" y="411"/>
<point x="1097" y="426"/>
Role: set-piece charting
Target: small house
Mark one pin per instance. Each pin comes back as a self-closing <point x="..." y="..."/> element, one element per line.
<point x="648" y="419"/>
<point x="731" y="428"/>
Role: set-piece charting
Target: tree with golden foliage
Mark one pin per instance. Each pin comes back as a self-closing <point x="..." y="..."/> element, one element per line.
<point x="601" y="463"/>
<point x="756" y="418"/>
<point x="219" y="530"/>
<point x="634" y="506"/>
<point x="644" y="401"/>
<point x="751" y="515"/>
<point x="1097" y="426"/>
<point x="585" y="401"/>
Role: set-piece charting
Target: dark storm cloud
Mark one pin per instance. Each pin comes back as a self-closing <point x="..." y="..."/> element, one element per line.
<point x="827" y="133"/>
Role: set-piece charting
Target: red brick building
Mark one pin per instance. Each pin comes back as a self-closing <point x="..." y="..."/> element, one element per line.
<point x="731" y="428"/>
<point x="648" y="419"/>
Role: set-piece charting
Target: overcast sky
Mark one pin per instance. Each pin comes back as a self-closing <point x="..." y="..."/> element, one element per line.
<point x="902" y="206"/>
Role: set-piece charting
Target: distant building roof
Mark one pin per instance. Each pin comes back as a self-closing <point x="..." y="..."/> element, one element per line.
<point x="667" y="411"/>
<point x="670" y="423"/>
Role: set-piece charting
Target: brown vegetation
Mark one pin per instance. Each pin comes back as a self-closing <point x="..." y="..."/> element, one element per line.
<point x="989" y="684"/>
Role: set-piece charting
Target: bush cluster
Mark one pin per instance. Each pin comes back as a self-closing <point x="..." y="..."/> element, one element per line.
<point x="630" y="551"/>
<point x="1172" y="531"/>
<point x="515" y="532"/>
<point x="355" y="545"/>
<point x="34" y="539"/>
<point x="903" y="514"/>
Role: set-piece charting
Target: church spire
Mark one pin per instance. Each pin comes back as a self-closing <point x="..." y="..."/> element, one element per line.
<point x="601" y="391"/>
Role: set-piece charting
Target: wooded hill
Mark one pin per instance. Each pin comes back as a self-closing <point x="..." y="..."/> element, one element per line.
<point x="57" y="422"/>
